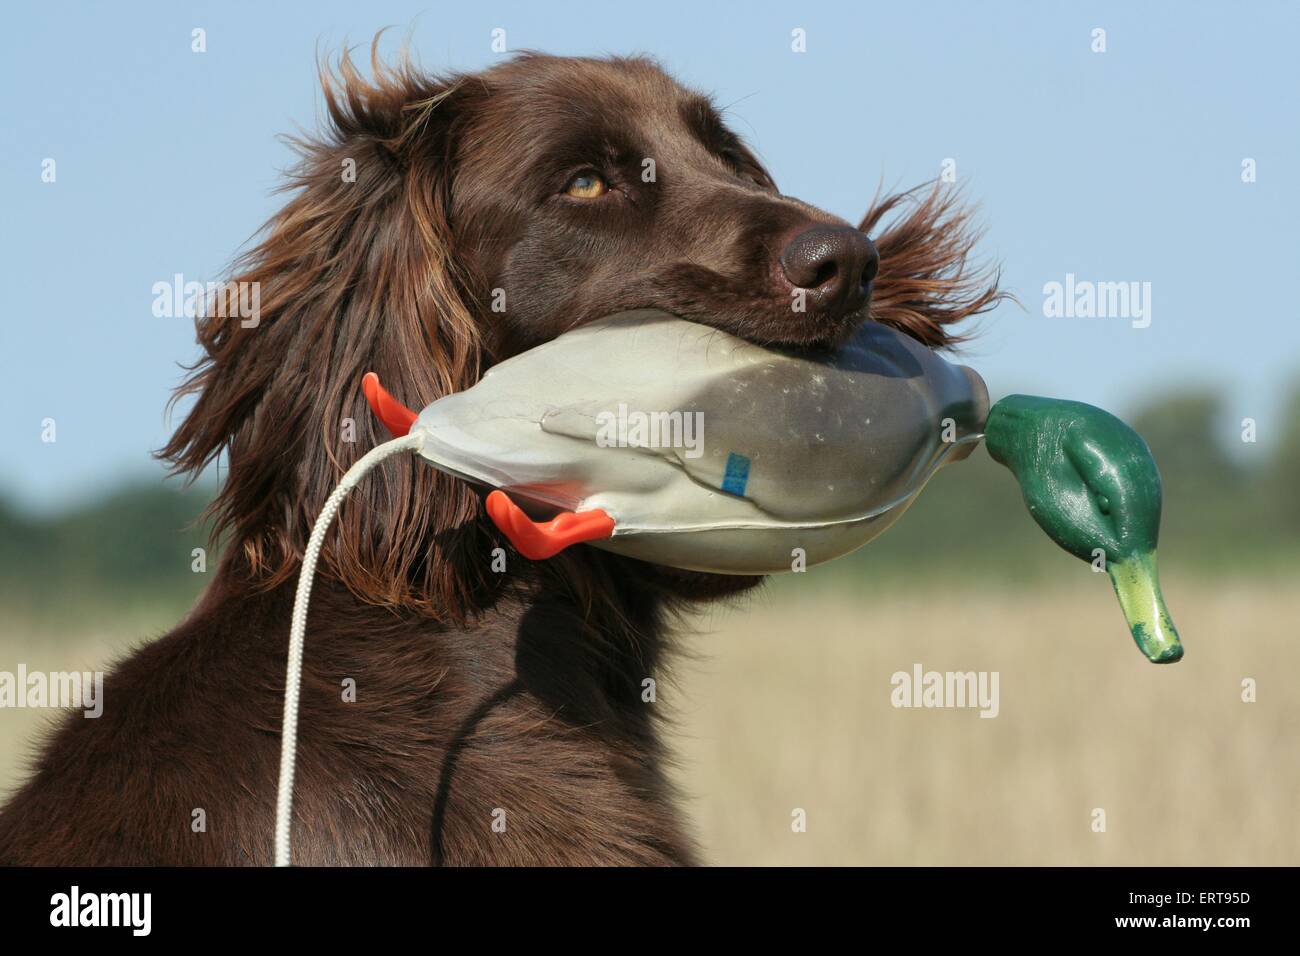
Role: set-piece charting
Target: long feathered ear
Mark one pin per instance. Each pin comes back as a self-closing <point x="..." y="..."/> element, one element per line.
<point x="926" y="281"/>
<point x="355" y="274"/>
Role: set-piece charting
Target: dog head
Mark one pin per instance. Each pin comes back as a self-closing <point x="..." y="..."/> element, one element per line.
<point x="580" y="188"/>
<point x="441" y="224"/>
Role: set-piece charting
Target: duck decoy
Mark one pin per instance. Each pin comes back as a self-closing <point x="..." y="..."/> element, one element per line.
<point x="676" y="443"/>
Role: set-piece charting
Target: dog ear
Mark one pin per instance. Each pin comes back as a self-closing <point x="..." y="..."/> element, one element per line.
<point x="355" y="274"/>
<point x="926" y="282"/>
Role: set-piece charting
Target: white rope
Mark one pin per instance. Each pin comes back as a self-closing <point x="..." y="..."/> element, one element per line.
<point x="298" y="634"/>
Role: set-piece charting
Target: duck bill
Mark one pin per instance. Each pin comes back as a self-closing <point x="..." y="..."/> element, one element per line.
<point x="1138" y="590"/>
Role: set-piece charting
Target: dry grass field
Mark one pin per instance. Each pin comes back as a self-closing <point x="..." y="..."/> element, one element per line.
<point x="786" y="704"/>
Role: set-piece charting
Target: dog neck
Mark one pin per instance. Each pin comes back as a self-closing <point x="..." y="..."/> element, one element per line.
<point x="587" y="641"/>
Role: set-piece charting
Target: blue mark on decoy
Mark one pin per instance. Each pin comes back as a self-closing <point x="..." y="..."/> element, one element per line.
<point x="737" y="475"/>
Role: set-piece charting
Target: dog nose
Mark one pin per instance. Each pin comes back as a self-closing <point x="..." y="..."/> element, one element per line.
<point x="835" y="264"/>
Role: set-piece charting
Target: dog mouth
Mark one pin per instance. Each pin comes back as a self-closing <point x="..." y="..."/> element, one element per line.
<point x="823" y="331"/>
<point x="764" y="318"/>
<point x="816" y="333"/>
<point x="781" y="329"/>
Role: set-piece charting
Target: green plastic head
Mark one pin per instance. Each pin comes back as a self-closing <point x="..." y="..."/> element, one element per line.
<point x="1090" y="482"/>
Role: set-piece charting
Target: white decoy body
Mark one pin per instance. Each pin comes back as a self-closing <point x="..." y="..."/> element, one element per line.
<point x="708" y="452"/>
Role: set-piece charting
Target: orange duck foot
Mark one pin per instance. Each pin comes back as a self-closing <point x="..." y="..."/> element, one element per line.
<point x="397" y="418"/>
<point x="537" y="540"/>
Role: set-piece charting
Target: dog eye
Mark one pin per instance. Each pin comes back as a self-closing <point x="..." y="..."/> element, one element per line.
<point x="586" y="186"/>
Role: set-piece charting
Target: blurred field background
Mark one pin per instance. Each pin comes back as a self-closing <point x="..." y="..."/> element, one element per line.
<point x="791" y="709"/>
<point x="784" y="702"/>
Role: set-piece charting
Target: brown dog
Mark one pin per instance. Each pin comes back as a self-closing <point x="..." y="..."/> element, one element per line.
<point x="441" y="225"/>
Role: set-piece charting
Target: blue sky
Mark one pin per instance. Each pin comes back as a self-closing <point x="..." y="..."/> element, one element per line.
<point x="1117" y="166"/>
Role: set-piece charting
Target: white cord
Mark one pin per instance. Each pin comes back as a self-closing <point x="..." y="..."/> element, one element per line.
<point x="298" y="633"/>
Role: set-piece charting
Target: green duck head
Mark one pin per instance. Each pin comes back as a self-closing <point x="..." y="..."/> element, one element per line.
<point x="1090" y="482"/>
